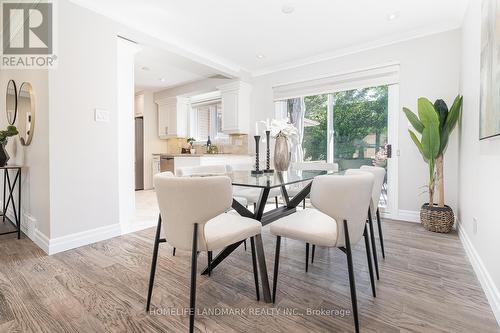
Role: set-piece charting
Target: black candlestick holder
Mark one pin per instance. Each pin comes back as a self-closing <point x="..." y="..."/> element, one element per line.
<point x="257" y="170"/>
<point x="268" y="155"/>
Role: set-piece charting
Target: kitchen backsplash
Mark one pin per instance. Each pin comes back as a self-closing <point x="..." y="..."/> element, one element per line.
<point x="238" y="145"/>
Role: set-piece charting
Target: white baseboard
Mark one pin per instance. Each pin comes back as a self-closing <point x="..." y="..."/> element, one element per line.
<point x="137" y="226"/>
<point x="403" y="215"/>
<point x="64" y="243"/>
<point x="41" y="241"/>
<point x="487" y="283"/>
<point x="72" y="241"/>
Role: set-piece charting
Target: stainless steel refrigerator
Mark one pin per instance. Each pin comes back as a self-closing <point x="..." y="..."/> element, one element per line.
<point x="139" y="153"/>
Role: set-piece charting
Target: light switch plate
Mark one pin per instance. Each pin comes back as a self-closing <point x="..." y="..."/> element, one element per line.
<point x="101" y="115"/>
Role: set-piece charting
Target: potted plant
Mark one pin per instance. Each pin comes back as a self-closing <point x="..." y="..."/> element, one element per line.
<point x="434" y="123"/>
<point x="4" y="135"/>
<point x="190" y="141"/>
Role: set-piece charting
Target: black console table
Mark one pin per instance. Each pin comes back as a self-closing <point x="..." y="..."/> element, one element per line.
<point x="9" y="186"/>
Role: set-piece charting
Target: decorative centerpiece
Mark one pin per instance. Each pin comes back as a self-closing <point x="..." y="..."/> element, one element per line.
<point x="4" y="135"/>
<point x="284" y="134"/>
<point x="435" y="124"/>
<point x="190" y="142"/>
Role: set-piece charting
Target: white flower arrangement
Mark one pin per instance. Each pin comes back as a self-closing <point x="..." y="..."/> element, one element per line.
<point x="280" y="127"/>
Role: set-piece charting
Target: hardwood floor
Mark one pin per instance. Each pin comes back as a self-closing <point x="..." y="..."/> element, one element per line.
<point x="426" y="285"/>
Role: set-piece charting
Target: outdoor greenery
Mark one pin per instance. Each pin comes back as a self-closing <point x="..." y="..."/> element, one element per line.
<point x="357" y="113"/>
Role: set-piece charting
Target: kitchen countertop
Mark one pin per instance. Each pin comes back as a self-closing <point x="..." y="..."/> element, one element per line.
<point x="198" y="155"/>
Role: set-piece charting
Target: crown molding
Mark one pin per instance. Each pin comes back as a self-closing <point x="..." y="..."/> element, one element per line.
<point x="395" y="39"/>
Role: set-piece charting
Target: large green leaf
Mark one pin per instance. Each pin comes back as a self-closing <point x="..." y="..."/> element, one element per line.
<point x="426" y="112"/>
<point x="417" y="142"/>
<point x="442" y="111"/>
<point x="450" y="123"/>
<point x="430" y="140"/>
<point x="413" y="119"/>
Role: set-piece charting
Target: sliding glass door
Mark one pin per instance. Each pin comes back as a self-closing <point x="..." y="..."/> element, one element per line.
<point x="353" y="128"/>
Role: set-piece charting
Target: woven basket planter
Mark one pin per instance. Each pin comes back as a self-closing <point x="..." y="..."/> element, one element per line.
<point x="437" y="219"/>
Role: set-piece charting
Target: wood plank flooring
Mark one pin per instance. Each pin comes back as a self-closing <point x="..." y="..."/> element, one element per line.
<point x="426" y="285"/>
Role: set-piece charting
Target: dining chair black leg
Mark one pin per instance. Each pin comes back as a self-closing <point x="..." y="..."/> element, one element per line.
<point x="254" y="206"/>
<point x="312" y="254"/>
<point x="254" y="264"/>
<point x="245" y="244"/>
<point x="209" y="260"/>
<point x="369" y="258"/>
<point x="192" y="297"/>
<point x="352" y="283"/>
<point x="374" y="247"/>
<point x="304" y="204"/>
<point x="379" y="223"/>
<point x="153" y="263"/>
<point x="307" y="257"/>
<point x="173" y="252"/>
<point x="276" y="265"/>
<point x="276" y="201"/>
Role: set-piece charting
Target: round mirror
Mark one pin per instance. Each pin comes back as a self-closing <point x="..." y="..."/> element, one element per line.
<point x="26" y="113"/>
<point x="11" y="102"/>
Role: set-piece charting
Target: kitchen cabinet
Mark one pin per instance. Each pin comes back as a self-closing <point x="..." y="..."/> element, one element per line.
<point x="235" y="107"/>
<point x="139" y="105"/>
<point x="172" y="117"/>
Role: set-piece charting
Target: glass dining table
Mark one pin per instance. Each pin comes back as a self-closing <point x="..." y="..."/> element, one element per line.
<point x="266" y="182"/>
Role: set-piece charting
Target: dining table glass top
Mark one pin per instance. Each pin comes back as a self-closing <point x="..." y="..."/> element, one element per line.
<point x="276" y="179"/>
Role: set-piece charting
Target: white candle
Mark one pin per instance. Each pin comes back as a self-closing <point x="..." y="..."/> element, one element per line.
<point x="268" y="124"/>
<point x="256" y="128"/>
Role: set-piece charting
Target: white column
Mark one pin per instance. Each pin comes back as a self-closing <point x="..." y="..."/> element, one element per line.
<point x="126" y="159"/>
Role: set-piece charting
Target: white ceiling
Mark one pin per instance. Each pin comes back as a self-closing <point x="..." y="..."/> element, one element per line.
<point x="157" y="69"/>
<point x="233" y="32"/>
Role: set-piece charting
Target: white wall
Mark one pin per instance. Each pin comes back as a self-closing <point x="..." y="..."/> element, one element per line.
<point x="83" y="153"/>
<point x="35" y="157"/>
<point x="479" y="187"/>
<point x="152" y="142"/>
<point x="126" y="130"/>
<point x="429" y="67"/>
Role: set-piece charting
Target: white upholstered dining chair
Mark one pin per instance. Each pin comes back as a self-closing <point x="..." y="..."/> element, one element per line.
<point x="209" y="170"/>
<point x="312" y="165"/>
<point x="206" y="228"/>
<point x="379" y="176"/>
<point x="339" y="220"/>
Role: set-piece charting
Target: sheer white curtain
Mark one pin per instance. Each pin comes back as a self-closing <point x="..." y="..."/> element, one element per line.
<point x="296" y="112"/>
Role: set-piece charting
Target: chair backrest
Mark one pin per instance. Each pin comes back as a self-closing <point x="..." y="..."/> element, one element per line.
<point x="379" y="174"/>
<point x="344" y="198"/>
<point x="315" y="165"/>
<point x="202" y="170"/>
<point x="184" y="201"/>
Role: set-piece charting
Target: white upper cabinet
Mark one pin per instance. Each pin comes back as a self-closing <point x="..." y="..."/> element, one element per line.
<point x="172" y="117"/>
<point x="235" y="107"/>
<point x="139" y="105"/>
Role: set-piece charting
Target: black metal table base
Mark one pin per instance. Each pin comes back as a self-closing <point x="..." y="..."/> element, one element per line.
<point x="11" y="185"/>
<point x="264" y="218"/>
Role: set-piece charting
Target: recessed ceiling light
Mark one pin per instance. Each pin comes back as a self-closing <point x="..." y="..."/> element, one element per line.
<point x="260" y="56"/>
<point x="162" y="79"/>
<point x="287" y="8"/>
<point x="393" y="16"/>
<point x="145" y="68"/>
